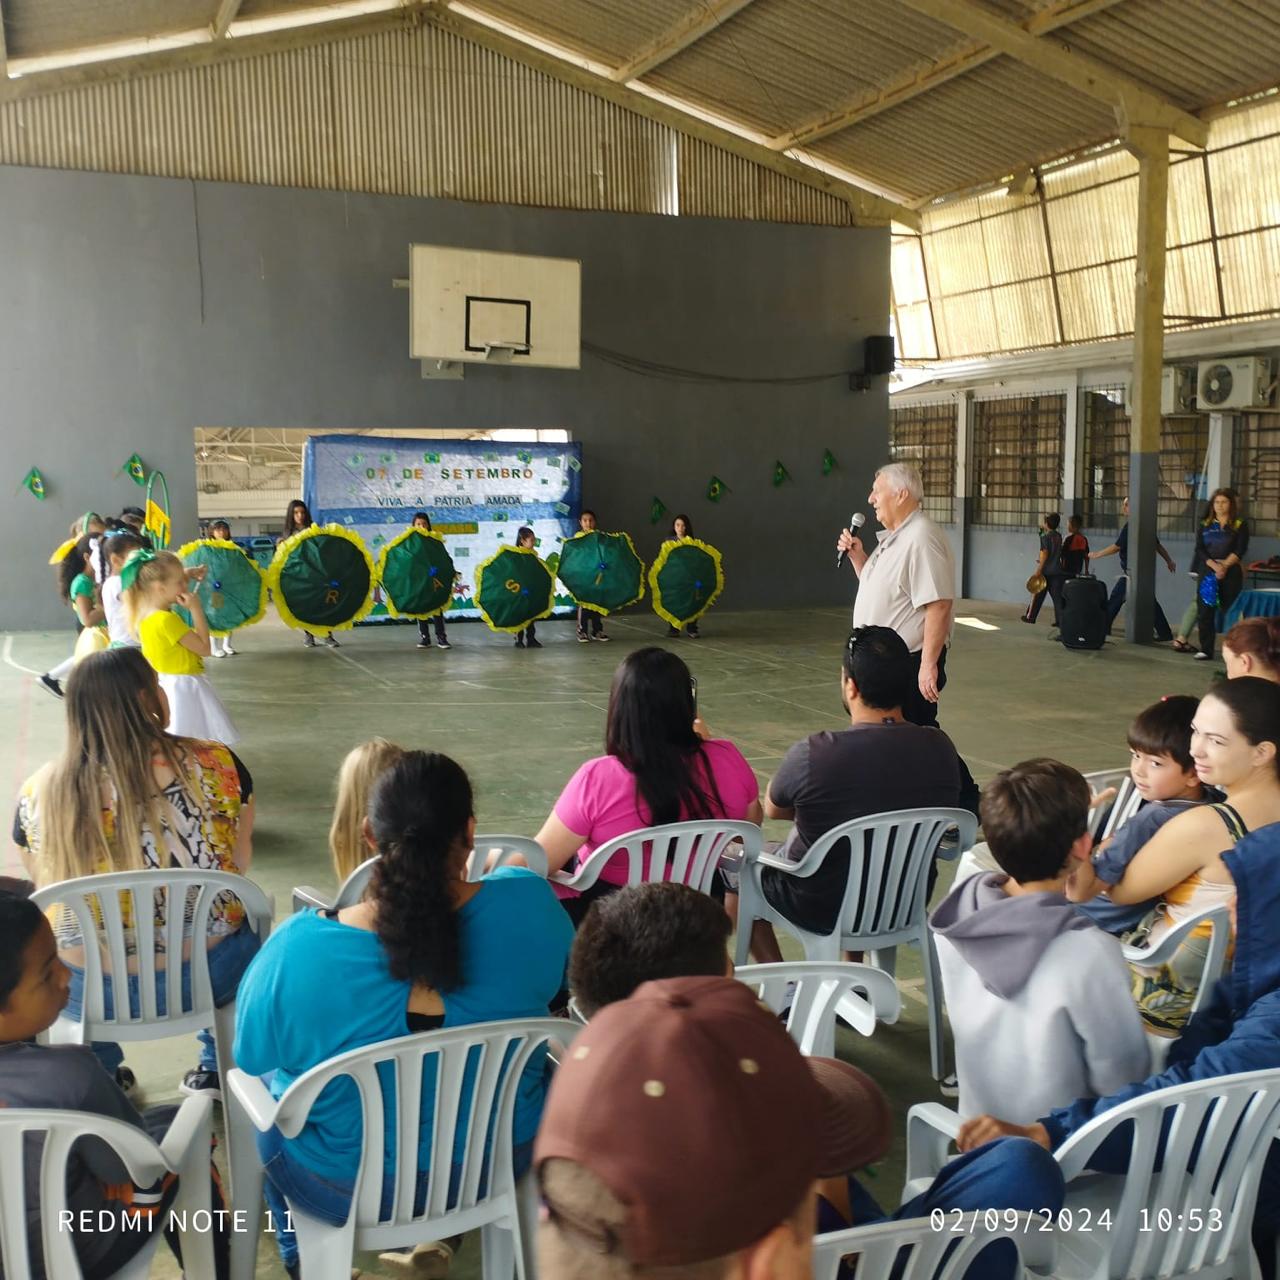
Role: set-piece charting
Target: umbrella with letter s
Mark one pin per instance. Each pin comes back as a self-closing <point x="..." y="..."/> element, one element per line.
<point x="513" y="589"/>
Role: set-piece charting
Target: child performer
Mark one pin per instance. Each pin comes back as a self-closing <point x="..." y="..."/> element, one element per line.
<point x="423" y="521"/>
<point x="528" y="638"/>
<point x="681" y="530"/>
<point x="297" y="517"/>
<point x="112" y="554"/>
<point x="587" y="523"/>
<point x="153" y="583"/>
<point x="76" y="586"/>
<point x="220" y="646"/>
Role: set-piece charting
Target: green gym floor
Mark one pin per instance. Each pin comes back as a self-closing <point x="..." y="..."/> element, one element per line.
<point x="521" y="722"/>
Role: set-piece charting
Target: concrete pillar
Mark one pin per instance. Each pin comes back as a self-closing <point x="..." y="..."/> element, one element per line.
<point x="964" y="501"/>
<point x="1151" y="146"/>
<point x="1218" y="459"/>
<point x="1071" y="452"/>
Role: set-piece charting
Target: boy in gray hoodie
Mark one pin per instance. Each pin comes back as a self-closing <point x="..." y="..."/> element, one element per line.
<point x="1039" y="997"/>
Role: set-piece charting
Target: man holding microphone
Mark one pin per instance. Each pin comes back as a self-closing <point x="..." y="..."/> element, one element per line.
<point x="908" y="583"/>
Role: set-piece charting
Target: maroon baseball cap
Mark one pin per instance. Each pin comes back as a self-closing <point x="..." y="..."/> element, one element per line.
<point x="693" y="1106"/>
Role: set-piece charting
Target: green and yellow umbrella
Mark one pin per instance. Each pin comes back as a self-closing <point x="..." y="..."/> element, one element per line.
<point x="416" y="573"/>
<point x="322" y="579"/>
<point x="514" y="588"/>
<point x="233" y="590"/>
<point x="685" y="580"/>
<point x="601" y="571"/>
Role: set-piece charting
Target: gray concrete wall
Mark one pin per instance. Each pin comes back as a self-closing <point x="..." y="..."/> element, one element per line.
<point x="133" y="310"/>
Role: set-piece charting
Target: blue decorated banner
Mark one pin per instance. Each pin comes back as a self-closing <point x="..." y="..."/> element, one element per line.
<point x="477" y="492"/>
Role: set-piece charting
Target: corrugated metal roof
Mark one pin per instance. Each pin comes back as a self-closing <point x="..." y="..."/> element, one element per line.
<point x="36" y="27"/>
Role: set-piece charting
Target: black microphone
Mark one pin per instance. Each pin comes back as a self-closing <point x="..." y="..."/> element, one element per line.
<point x="856" y="521"/>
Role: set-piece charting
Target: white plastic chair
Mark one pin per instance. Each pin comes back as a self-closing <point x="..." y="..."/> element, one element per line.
<point x="184" y="1151"/>
<point x="1175" y="1221"/>
<point x="506" y="1212"/>
<point x="687" y="852"/>
<point x="1215" y="962"/>
<point x="98" y="903"/>
<point x="860" y="994"/>
<point x="353" y="887"/>
<point x="1105" y="819"/>
<point x="891" y="854"/>
<point x="934" y="1254"/>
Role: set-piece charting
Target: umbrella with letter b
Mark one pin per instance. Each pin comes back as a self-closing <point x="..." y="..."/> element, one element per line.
<point x="233" y="590"/>
<point x="513" y="589"/>
<point x="601" y="570"/>
<point x="685" y="580"/>
<point x="322" y="579"/>
<point x="416" y="573"/>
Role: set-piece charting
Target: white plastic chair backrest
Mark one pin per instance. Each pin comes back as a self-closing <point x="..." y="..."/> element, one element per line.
<point x="139" y="1154"/>
<point x="491" y="1055"/>
<point x="930" y="1253"/>
<point x="865" y="995"/>
<point x="506" y="847"/>
<point x="889" y="867"/>
<point x="1127" y="802"/>
<point x="1224" y="1127"/>
<point x="688" y="852"/>
<point x="100" y="905"/>
<point x="1099" y="780"/>
<point x="1215" y="961"/>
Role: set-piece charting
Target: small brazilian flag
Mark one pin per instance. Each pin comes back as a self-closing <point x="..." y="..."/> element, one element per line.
<point x="524" y="455"/>
<point x="657" y="509"/>
<point x="136" y="471"/>
<point x="829" y="463"/>
<point x="33" y="483"/>
<point x="716" y="489"/>
<point x="780" y="475"/>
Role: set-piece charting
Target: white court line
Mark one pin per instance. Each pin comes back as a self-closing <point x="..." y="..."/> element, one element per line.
<point x="8" y="657"/>
<point x="373" y="675"/>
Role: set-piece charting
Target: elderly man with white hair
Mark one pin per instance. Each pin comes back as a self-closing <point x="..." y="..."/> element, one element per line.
<point x="908" y="583"/>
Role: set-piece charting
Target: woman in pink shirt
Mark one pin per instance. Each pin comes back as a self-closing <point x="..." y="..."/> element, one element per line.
<point x="661" y="765"/>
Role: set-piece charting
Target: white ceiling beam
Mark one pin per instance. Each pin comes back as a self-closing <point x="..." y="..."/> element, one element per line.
<point x="226" y="15"/>
<point x="1135" y="103"/>
<point x="689" y="30"/>
<point x="912" y="83"/>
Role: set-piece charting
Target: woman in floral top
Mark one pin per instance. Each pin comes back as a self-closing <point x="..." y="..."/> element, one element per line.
<point x="126" y="796"/>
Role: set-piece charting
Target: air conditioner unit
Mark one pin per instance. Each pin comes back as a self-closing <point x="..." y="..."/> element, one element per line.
<point x="1233" y="382"/>
<point x="1177" y="390"/>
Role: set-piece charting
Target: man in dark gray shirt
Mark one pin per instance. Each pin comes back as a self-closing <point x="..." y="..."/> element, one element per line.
<point x="880" y="763"/>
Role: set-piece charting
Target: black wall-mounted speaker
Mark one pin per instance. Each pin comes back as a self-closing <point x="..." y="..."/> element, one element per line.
<point x="877" y="354"/>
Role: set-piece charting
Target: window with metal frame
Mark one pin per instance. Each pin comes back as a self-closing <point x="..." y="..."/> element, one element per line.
<point x="1017" y="459"/>
<point x="925" y="435"/>
<point x="1104" y="462"/>
<point x="1255" y="470"/>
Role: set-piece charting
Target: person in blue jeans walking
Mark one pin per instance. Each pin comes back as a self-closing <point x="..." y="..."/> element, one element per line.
<point x="425" y="949"/>
<point x="1120" y="547"/>
<point x="127" y="796"/>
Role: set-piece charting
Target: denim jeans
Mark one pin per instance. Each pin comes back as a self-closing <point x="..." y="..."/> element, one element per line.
<point x="289" y="1181"/>
<point x="227" y="963"/>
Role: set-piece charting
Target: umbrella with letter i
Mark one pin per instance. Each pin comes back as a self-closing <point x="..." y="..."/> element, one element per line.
<point x="601" y="571"/>
<point x="322" y="579"/>
<point x="685" y="580"/>
<point x="513" y="589"/>
<point x="416" y="573"/>
<point x="233" y="590"/>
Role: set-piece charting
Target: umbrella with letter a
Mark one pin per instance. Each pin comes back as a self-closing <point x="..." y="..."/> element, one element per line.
<point x="416" y="573"/>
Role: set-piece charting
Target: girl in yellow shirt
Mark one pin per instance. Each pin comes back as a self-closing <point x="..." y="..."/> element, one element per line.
<point x="153" y="583"/>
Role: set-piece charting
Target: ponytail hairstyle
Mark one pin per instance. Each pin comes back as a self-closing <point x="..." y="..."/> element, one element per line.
<point x="363" y="766"/>
<point x="419" y="811"/>
<point x="1260" y="639"/>
<point x="649" y="729"/>
<point x="1254" y="705"/>
<point x="115" y="737"/>
<point x="118" y="544"/>
<point x="72" y="565"/>
<point x="143" y="572"/>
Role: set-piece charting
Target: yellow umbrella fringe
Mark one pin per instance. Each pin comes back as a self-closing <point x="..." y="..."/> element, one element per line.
<point x="520" y="551"/>
<point x="655" y="568"/>
<point x="382" y="564"/>
<point x="283" y="552"/>
<point x="595" y="608"/>
<point x="187" y="547"/>
<point x="63" y="551"/>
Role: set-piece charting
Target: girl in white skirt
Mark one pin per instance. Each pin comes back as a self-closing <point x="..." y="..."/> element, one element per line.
<point x="153" y="583"/>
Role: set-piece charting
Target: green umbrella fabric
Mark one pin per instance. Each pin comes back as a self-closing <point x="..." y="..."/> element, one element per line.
<point x="322" y="579"/>
<point x="417" y="573"/>
<point x="234" y="589"/>
<point x="513" y="589"/>
<point x="685" y="580"/>
<point x="601" y="571"/>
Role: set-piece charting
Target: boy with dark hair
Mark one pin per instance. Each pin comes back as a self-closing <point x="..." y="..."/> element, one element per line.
<point x="1164" y="775"/>
<point x="1048" y="566"/>
<point x="1039" y="997"/>
<point x="34" y="984"/>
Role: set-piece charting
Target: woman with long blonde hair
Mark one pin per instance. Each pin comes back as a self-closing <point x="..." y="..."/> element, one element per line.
<point x="363" y="766"/>
<point x="127" y="796"/>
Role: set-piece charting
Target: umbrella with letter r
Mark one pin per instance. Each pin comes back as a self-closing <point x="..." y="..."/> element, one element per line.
<point x="322" y="579"/>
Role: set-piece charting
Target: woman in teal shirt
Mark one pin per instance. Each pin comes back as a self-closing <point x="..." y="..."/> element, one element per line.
<point x="425" y="949"/>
